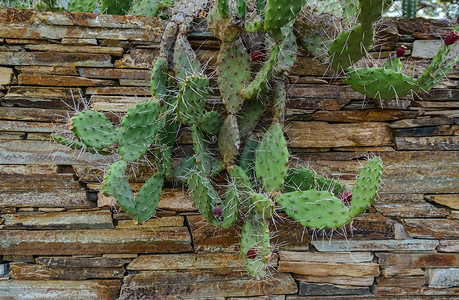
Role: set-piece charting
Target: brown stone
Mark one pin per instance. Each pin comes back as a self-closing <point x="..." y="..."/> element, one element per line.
<point x="30" y="114"/>
<point x="187" y="261"/>
<point x="421" y="122"/>
<point x="119" y="90"/>
<point x="428" y="143"/>
<point x="405" y="282"/>
<point x="449" y="246"/>
<point x="76" y="41"/>
<point x="341" y="280"/>
<point x="407" y="206"/>
<point x="55" y="59"/>
<point x="58" y="289"/>
<point x="301" y="105"/>
<point x="326" y="289"/>
<point x="56" y="80"/>
<point x="129" y="82"/>
<point x="81" y="242"/>
<point x="26" y="126"/>
<point x="418" y="259"/>
<point x="113" y="51"/>
<point x="342" y="257"/>
<point x="451" y="200"/>
<point x="378" y="245"/>
<point x="81" y="262"/>
<point x="432" y="228"/>
<point x="137" y="59"/>
<point x="323" y="135"/>
<point x="309" y="67"/>
<point x="48" y="70"/>
<point x="7" y="77"/>
<point x="105" y="73"/>
<point x="321" y="91"/>
<point x="362" y="116"/>
<point x="185" y="286"/>
<point x="173" y="221"/>
<point x="422" y="291"/>
<point x="115" y="103"/>
<point x="329" y="269"/>
<point x="25" y="271"/>
<point x="60" y="220"/>
<point x="400" y="272"/>
<point x="43" y="97"/>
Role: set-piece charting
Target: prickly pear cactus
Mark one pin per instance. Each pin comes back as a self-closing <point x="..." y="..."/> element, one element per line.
<point x="231" y="145"/>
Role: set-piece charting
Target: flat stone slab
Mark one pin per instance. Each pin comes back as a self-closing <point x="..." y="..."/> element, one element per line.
<point x="81" y="262"/>
<point x="384" y="245"/>
<point x="432" y="228"/>
<point x="419" y="260"/>
<point x="326" y="289"/>
<point x="443" y="278"/>
<point x="59" y="289"/>
<point x="81" y="242"/>
<point x="326" y="257"/>
<point x="329" y="269"/>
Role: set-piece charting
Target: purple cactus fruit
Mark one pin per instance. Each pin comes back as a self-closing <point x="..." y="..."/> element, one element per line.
<point x="257" y="56"/>
<point x="451" y="38"/>
<point x="251" y="254"/>
<point x="217" y="211"/>
<point x="401" y="51"/>
<point x="345" y="197"/>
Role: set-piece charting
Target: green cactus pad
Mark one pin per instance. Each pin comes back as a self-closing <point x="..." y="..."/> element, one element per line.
<point x="278" y="14"/>
<point x="333" y="186"/>
<point x="372" y="10"/>
<point x="94" y="129"/>
<point x="279" y="98"/>
<point x="186" y="167"/>
<point x="228" y="140"/>
<point x="247" y="160"/>
<point x="350" y="46"/>
<point x="240" y="9"/>
<point x="251" y="113"/>
<point x="223" y="8"/>
<point x="117" y="185"/>
<point x="230" y="211"/>
<point x="262" y="205"/>
<point x="380" y="83"/>
<point x="366" y="187"/>
<point x="205" y="197"/>
<point x="203" y="156"/>
<point x="211" y="122"/>
<point x="115" y="7"/>
<point x="393" y="64"/>
<point x="271" y="159"/>
<point x="138" y="130"/>
<point x="255" y="242"/>
<point x="186" y="63"/>
<point x="82" y="5"/>
<point x="148" y="197"/>
<point x="233" y="74"/>
<point x="158" y="81"/>
<point x="253" y="26"/>
<point x="288" y="52"/>
<point x="299" y="179"/>
<point x="315" y="209"/>
<point x="145" y="8"/>
<point x="259" y="82"/>
<point x="70" y="143"/>
<point x="224" y="29"/>
<point x="191" y="99"/>
<point x="240" y="179"/>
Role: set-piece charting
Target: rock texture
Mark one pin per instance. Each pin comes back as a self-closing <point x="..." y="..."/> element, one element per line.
<point x="60" y="238"/>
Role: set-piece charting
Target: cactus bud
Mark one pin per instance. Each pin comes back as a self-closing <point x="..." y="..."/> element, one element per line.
<point x="451" y="38"/>
<point x="251" y="254"/>
<point x="257" y="56"/>
<point x="217" y="211"/>
<point x="345" y="197"/>
<point x="401" y="51"/>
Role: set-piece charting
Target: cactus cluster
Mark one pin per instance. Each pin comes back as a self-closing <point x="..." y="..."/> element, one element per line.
<point x="260" y="183"/>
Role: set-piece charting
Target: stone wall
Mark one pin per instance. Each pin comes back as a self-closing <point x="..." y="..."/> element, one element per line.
<point x="61" y="239"/>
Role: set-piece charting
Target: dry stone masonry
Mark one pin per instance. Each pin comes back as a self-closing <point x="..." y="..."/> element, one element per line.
<point x="60" y="238"/>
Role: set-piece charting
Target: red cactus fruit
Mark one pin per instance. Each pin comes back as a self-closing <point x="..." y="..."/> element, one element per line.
<point x="345" y="197"/>
<point x="257" y="56"/>
<point x="401" y="51"/>
<point x="451" y="38"/>
<point x="217" y="211"/>
<point x="251" y="254"/>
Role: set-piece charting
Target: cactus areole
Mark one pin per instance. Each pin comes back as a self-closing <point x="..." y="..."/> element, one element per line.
<point x="259" y="182"/>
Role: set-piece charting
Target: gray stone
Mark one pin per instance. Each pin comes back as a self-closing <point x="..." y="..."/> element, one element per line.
<point x="375" y="245"/>
<point x="429" y="48"/>
<point x="443" y="278"/>
<point x="325" y="289"/>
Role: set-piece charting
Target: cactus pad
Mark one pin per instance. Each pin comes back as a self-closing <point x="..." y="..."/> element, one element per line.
<point x="205" y="197"/>
<point x="350" y="46"/>
<point x="278" y="14"/>
<point x="117" y="185"/>
<point x="82" y="5"/>
<point x="380" y="83"/>
<point x="228" y="140"/>
<point x="159" y="77"/>
<point x="186" y="167"/>
<point x="145" y="8"/>
<point x="330" y="185"/>
<point x="366" y="186"/>
<point x="203" y="156"/>
<point x="115" y="7"/>
<point x="315" y="209"/>
<point x="233" y="74"/>
<point x="138" y="130"/>
<point x="255" y="246"/>
<point x="223" y="28"/>
<point x="211" y="122"/>
<point x="94" y="129"/>
<point x="372" y="10"/>
<point x="299" y="179"/>
<point x="251" y="113"/>
<point x="231" y="207"/>
<point x="262" y="205"/>
<point x="191" y="99"/>
<point x="271" y="159"/>
<point x="186" y="63"/>
<point x="148" y="197"/>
